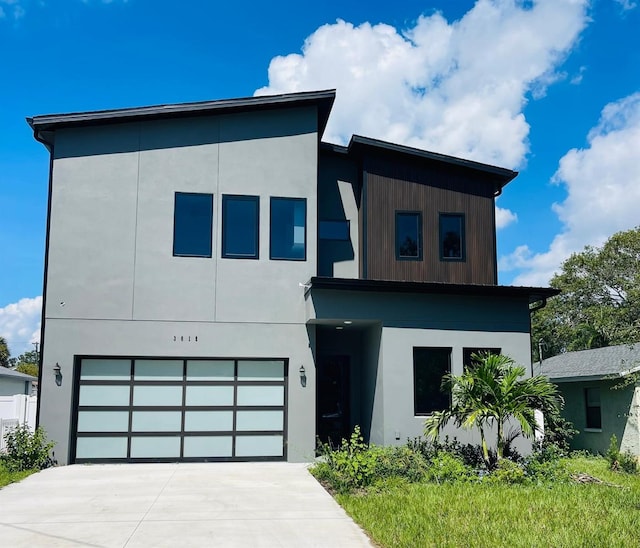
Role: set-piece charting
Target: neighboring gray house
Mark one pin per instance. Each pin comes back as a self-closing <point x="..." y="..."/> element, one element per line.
<point x="222" y="285"/>
<point x="590" y="382"/>
<point x="13" y="382"/>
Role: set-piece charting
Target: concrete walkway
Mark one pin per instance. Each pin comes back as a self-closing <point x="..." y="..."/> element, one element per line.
<point x="178" y="505"/>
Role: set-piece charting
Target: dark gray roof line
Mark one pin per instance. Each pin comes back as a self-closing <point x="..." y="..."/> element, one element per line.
<point x="43" y="125"/>
<point x="598" y="363"/>
<point x="534" y="294"/>
<point x="505" y="175"/>
<point x="323" y="99"/>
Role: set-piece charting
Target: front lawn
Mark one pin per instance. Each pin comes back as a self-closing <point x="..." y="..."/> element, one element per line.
<point x="7" y="477"/>
<point x="480" y="514"/>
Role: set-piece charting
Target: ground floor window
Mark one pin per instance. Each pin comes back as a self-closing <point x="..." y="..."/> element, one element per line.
<point x="593" y="409"/>
<point x="468" y="353"/>
<point x="430" y="365"/>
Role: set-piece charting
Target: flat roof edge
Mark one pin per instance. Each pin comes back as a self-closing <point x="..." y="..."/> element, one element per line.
<point x="51" y="121"/>
<point x="506" y="175"/>
<point x="348" y="284"/>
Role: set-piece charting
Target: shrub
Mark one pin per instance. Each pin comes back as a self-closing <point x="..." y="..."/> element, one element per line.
<point x="350" y="466"/>
<point x="471" y="455"/>
<point x="399" y="462"/>
<point x="445" y="467"/>
<point x="624" y="462"/>
<point x="507" y="471"/>
<point x="27" y="450"/>
<point x="544" y="465"/>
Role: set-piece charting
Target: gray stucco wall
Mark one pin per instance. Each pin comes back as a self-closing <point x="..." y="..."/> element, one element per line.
<point x="337" y="189"/>
<point x="114" y="287"/>
<point x="620" y="412"/>
<point x="393" y="324"/>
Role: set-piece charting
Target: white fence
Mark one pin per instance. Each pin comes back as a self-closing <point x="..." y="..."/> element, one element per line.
<point x="14" y="410"/>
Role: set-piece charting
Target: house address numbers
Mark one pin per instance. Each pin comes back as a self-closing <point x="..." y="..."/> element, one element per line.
<point x="185" y="338"/>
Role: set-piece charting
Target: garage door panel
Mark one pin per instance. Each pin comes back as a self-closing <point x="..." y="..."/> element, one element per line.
<point x="155" y="447"/>
<point x="210" y="370"/>
<point x="203" y="421"/>
<point x="106" y="370"/>
<point x="259" y="420"/>
<point x="260" y="370"/>
<point x="209" y="395"/>
<point x="208" y="446"/>
<point x="260" y="395"/>
<point x="158" y="370"/>
<point x="155" y="395"/>
<point x="104" y="395"/>
<point x="156" y="421"/>
<point x="102" y="448"/>
<point x="103" y="421"/>
<point x="259" y="446"/>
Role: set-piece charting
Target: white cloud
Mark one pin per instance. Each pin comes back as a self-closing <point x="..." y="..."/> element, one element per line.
<point x="13" y="8"/>
<point x="457" y="88"/>
<point x="504" y="217"/>
<point x="20" y="324"/>
<point x="603" y="186"/>
<point x="627" y="5"/>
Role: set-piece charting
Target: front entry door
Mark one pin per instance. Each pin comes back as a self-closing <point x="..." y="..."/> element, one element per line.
<point x="332" y="414"/>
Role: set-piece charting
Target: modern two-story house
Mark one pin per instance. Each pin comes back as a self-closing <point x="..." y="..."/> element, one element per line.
<point x="222" y="285"/>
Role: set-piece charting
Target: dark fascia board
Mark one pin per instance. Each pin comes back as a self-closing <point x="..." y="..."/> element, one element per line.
<point x="534" y="294"/>
<point x="44" y="126"/>
<point x="360" y="144"/>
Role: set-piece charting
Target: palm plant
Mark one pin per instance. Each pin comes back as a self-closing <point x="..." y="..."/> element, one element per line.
<point x="491" y="392"/>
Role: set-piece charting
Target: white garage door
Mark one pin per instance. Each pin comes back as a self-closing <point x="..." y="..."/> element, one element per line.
<point x="180" y="409"/>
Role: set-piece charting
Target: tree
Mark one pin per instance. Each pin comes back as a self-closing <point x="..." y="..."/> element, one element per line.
<point x="28" y="363"/>
<point x="5" y="355"/>
<point x="491" y="392"/>
<point x="600" y="300"/>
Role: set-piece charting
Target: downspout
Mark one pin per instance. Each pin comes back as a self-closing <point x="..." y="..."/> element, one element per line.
<point x="537" y="305"/>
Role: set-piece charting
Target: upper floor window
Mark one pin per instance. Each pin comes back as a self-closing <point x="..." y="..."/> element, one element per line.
<point x="452" y="237"/>
<point x="240" y="222"/>
<point x="429" y="366"/>
<point x="192" y="224"/>
<point x="334" y="230"/>
<point x="409" y="235"/>
<point x="288" y="230"/>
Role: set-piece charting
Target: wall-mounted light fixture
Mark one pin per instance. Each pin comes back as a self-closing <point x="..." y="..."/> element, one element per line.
<point x="57" y="371"/>
<point x="303" y="376"/>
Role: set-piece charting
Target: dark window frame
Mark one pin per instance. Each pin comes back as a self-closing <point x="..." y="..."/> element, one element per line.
<point x="418" y="214"/>
<point x="593" y="413"/>
<point x="226" y="198"/>
<point x="463" y="237"/>
<point x="273" y="199"/>
<point x="345" y="222"/>
<point x="176" y="223"/>
<point x="468" y="351"/>
<point x="433" y="408"/>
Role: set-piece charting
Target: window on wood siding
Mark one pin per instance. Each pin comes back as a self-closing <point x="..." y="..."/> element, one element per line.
<point x="409" y="235"/>
<point x="452" y="237"/>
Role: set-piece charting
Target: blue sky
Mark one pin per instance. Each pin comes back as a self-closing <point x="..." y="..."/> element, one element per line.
<point x="550" y="88"/>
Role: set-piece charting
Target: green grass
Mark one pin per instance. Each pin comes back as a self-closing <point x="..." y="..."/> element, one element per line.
<point x="478" y="515"/>
<point x="7" y="477"/>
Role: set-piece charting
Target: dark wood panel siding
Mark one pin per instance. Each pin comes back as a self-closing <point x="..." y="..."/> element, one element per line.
<point x="431" y="190"/>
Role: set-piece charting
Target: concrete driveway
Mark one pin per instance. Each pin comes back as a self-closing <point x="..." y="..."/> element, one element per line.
<point x="177" y="505"/>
